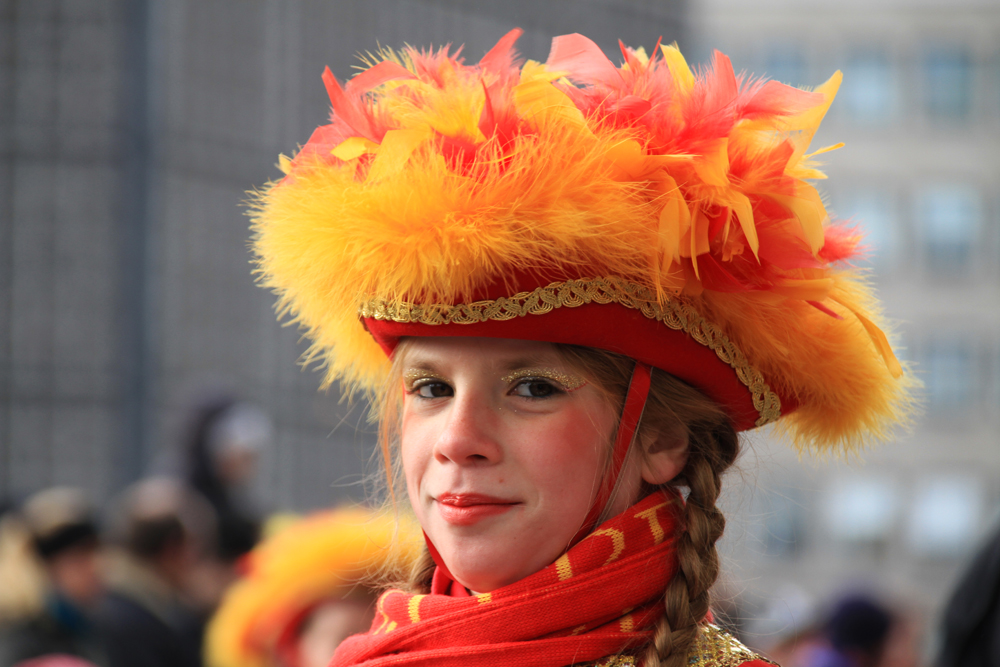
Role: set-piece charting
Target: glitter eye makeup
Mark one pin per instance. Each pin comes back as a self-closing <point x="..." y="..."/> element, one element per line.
<point x="414" y="374"/>
<point x="568" y="381"/>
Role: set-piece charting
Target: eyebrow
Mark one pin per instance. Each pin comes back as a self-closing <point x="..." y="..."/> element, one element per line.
<point x="514" y="364"/>
<point x="527" y="362"/>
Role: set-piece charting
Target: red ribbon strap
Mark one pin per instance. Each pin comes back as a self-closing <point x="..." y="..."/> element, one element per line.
<point x="632" y="409"/>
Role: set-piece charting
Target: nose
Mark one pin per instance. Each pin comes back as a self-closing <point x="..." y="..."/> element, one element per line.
<point x="469" y="437"/>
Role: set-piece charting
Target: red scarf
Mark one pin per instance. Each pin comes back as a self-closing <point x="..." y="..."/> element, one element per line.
<point x="600" y="598"/>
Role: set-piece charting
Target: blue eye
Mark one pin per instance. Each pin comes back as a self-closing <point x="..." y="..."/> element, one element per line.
<point x="433" y="390"/>
<point x="535" y="388"/>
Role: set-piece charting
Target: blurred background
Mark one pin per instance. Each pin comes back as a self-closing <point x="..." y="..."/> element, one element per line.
<point x="131" y="130"/>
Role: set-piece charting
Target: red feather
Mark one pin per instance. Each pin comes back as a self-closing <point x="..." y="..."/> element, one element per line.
<point x="774" y="98"/>
<point x="346" y="109"/>
<point x="500" y="59"/>
<point x="376" y="76"/>
<point x="841" y="243"/>
<point x="584" y="61"/>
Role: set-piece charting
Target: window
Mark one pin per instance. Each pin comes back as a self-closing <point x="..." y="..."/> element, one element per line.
<point x="951" y="217"/>
<point x="861" y="509"/>
<point x="948" y="372"/>
<point x="786" y="65"/>
<point x="945" y="516"/>
<point x="948" y="83"/>
<point x="784" y="522"/>
<point x="874" y="212"/>
<point x="869" y="88"/>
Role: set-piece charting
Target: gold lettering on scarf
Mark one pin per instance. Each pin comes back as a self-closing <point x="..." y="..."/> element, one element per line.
<point x="617" y="540"/>
<point x="387" y="624"/>
<point x="414" y="608"/>
<point x="563" y="569"/>
<point x="654" y="521"/>
<point x="627" y="625"/>
<point x="379" y="610"/>
<point x="485" y="598"/>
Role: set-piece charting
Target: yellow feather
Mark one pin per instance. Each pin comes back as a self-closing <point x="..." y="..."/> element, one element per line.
<point x="539" y="100"/>
<point x="713" y="166"/>
<point x="807" y="207"/>
<point x="675" y="221"/>
<point x="740" y="203"/>
<point x="683" y="78"/>
<point x="396" y="148"/>
<point x="354" y="147"/>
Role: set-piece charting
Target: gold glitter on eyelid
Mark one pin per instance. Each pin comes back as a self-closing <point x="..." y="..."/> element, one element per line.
<point x="569" y="382"/>
<point x="414" y="374"/>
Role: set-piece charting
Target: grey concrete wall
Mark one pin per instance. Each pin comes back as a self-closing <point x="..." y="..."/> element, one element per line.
<point x="58" y="251"/>
<point x="132" y="131"/>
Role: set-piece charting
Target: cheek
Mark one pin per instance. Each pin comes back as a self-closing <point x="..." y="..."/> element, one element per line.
<point x="416" y="443"/>
<point x="576" y="446"/>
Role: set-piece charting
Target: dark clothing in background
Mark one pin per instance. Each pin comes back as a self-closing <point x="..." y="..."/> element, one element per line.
<point x="137" y="637"/>
<point x="971" y="624"/>
<point x="60" y="628"/>
<point x="144" y="621"/>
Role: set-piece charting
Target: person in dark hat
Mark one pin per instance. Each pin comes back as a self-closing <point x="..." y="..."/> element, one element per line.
<point x="63" y="537"/>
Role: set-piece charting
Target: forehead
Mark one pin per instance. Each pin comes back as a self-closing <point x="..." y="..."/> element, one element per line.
<point x="502" y="352"/>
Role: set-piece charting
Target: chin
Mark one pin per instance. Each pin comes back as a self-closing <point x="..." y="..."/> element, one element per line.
<point x="479" y="582"/>
<point x="486" y="574"/>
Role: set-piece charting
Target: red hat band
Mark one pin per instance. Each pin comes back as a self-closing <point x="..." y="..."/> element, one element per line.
<point x="604" y="313"/>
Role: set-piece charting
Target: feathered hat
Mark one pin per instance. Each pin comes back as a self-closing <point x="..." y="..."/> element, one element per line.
<point x="644" y="209"/>
<point x="326" y="556"/>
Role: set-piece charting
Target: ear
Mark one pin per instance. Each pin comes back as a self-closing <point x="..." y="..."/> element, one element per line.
<point x="665" y="456"/>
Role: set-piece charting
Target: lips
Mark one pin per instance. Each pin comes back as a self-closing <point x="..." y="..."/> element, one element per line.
<point x="466" y="509"/>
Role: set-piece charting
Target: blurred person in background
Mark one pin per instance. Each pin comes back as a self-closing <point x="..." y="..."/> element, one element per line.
<point x="305" y="590"/>
<point x="970" y="629"/>
<point x="51" y="579"/>
<point x="224" y="441"/>
<point x="160" y="530"/>
<point x="22" y="578"/>
<point x="860" y="631"/>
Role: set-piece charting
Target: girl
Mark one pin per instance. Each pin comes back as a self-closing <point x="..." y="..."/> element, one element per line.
<point x="570" y="285"/>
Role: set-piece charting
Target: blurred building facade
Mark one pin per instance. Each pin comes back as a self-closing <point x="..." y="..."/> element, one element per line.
<point x="131" y="131"/>
<point x="919" y="110"/>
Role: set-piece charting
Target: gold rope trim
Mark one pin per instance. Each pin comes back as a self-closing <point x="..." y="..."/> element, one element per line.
<point x="574" y="293"/>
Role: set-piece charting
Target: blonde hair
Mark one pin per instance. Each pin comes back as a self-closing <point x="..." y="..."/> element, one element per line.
<point x="673" y="408"/>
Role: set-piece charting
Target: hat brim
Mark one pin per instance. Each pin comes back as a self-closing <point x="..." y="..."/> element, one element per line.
<point x="671" y="337"/>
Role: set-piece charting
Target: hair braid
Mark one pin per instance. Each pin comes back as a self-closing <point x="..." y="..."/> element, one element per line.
<point x="686" y="600"/>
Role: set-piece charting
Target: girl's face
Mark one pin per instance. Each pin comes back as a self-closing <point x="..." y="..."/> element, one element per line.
<point x="503" y="448"/>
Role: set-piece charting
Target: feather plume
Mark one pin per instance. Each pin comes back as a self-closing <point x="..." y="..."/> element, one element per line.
<point x="329" y="555"/>
<point x="435" y="179"/>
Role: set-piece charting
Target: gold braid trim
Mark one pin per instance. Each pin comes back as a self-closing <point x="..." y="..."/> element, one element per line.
<point x="574" y="293"/>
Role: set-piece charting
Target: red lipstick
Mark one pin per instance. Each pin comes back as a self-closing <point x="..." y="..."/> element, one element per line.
<point x="465" y="509"/>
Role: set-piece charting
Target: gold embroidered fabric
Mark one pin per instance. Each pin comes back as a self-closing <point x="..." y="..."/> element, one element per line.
<point x="716" y="648"/>
<point x="674" y="314"/>
<point x="617" y="661"/>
